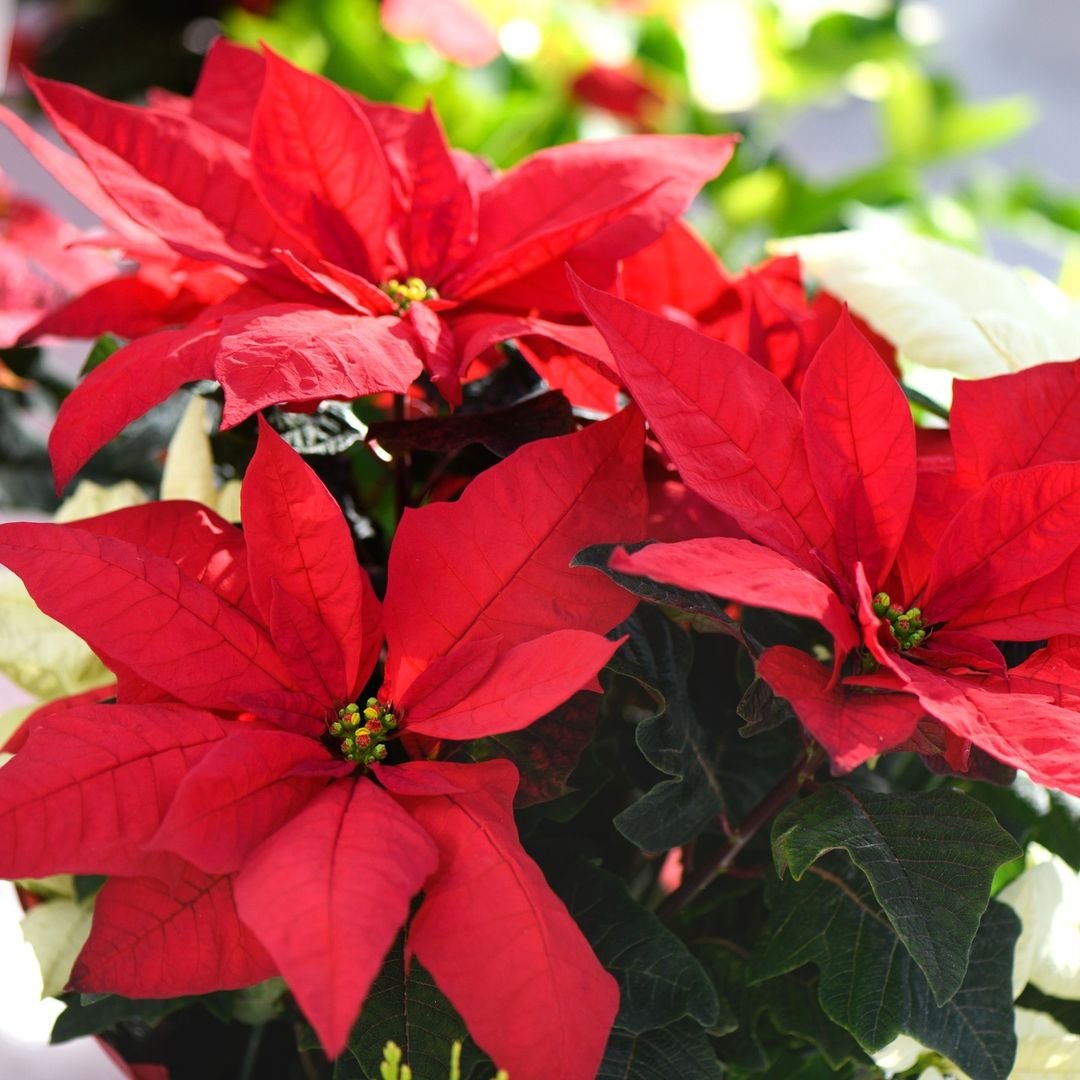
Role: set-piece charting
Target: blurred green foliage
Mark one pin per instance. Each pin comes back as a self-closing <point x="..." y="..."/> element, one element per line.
<point x="754" y="66"/>
<point x="780" y="58"/>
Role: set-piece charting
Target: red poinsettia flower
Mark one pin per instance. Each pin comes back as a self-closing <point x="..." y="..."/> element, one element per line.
<point x="39" y="269"/>
<point x="249" y="794"/>
<point x="828" y="494"/>
<point x="367" y="247"/>
<point x="764" y="311"/>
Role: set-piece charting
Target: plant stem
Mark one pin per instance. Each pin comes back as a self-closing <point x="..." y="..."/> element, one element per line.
<point x="920" y="399"/>
<point x="251" y="1053"/>
<point x="703" y="876"/>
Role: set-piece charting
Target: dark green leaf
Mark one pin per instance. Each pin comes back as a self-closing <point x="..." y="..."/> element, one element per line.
<point x="869" y="985"/>
<point x="251" y="1005"/>
<point x="409" y="1009"/>
<point x="87" y="885"/>
<point x="90" y="1014"/>
<point x="930" y="859"/>
<point x="659" y="980"/>
<point x="100" y="351"/>
<point x="790" y="1001"/>
<point x="1031" y="812"/>
<point x="658" y="656"/>
<point x="761" y="710"/>
<point x="500" y="430"/>
<point x="682" y="1050"/>
<point x="1066" y="1013"/>
<point x="331" y="429"/>
<point x="547" y="751"/>
<point x="706" y="611"/>
<point x="976" y="1028"/>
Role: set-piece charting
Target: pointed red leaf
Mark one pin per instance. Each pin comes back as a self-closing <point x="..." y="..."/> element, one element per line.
<point x="601" y="200"/>
<point x="319" y="166"/>
<point x="1053" y="670"/>
<point x="450" y="677"/>
<point x="203" y="544"/>
<point x="239" y="794"/>
<point x="1023" y="730"/>
<point x="126" y="306"/>
<point x="576" y="374"/>
<point x="852" y="725"/>
<point x="677" y="271"/>
<point x="185" y="182"/>
<point x="860" y="442"/>
<point x="309" y="650"/>
<point x="344" y="286"/>
<point x="479" y="330"/>
<point x="938" y="498"/>
<point x="1015" y="530"/>
<point x="126" y="602"/>
<point x="1042" y="608"/>
<point x="156" y="938"/>
<point x="1012" y="421"/>
<point x="327" y="894"/>
<point x="956" y="649"/>
<point x="418" y="778"/>
<point x="555" y="1004"/>
<point x="435" y="339"/>
<point x="297" y="537"/>
<point x="497" y="562"/>
<point x="132" y="380"/>
<point x="525" y="683"/>
<point x="743" y="571"/>
<point x="92" y="783"/>
<point x="440" y="224"/>
<point x="72" y="174"/>
<point x="228" y="89"/>
<point x="97" y="695"/>
<point x="705" y="401"/>
<point x="288" y="353"/>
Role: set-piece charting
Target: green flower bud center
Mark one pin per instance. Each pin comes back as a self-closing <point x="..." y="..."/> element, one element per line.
<point x="906" y="625"/>
<point x="364" y="732"/>
<point x="405" y="293"/>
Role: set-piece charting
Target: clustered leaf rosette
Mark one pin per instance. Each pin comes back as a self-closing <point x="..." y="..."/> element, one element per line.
<point x="339" y="247"/>
<point x="916" y="570"/>
<point x="261" y="806"/>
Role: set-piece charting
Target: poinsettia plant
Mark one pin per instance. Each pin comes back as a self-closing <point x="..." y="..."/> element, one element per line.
<point x="613" y="669"/>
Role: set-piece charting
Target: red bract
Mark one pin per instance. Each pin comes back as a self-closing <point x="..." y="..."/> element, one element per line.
<point x="831" y="489"/>
<point x="368" y="248"/>
<point x="255" y="809"/>
<point x="763" y="311"/>
<point x="38" y="269"/>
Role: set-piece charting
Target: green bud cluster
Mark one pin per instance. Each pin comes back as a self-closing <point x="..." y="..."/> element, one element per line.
<point x="906" y="626"/>
<point x="363" y="732"/>
<point x="404" y="293"/>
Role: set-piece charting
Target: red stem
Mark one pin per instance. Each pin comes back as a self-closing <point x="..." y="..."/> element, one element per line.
<point x="695" y="883"/>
